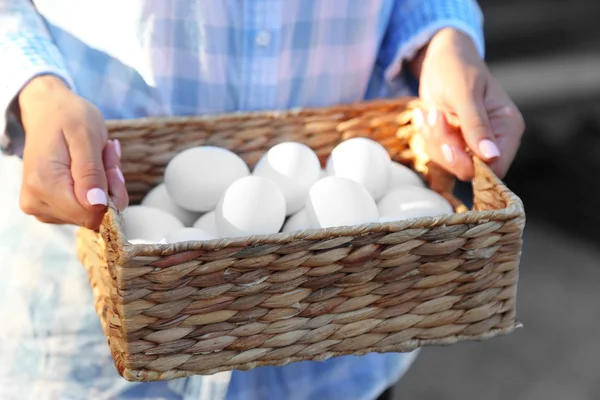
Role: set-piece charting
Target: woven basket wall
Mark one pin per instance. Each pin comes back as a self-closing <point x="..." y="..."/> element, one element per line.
<point x="171" y="311"/>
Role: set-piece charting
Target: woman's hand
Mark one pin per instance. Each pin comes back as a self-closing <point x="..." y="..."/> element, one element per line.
<point x="461" y="95"/>
<point x="69" y="165"/>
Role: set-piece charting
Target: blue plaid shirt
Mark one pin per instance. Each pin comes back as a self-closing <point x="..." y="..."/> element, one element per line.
<point x="139" y="58"/>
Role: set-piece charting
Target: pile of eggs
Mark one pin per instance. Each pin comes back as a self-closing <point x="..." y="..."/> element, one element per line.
<point x="210" y="192"/>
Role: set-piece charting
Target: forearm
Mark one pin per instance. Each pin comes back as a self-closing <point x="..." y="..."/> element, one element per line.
<point x="449" y="38"/>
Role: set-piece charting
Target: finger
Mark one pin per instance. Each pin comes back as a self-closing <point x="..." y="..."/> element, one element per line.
<point x="30" y="203"/>
<point x="63" y="204"/>
<point x="47" y="188"/>
<point x="49" y="220"/>
<point x="117" y="189"/>
<point x="59" y="188"/>
<point x="509" y="126"/>
<point x="445" y="145"/>
<point x="117" y="144"/>
<point x="477" y="132"/>
<point x="116" y="181"/>
<point x="48" y="177"/>
<point x="87" y="168"/>
<point x="110" y="158"/>
<point x="38" y="209"/>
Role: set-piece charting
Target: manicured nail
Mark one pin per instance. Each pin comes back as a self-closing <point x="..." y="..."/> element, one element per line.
<point x="489" y="149"/>
<point x="120" y="174"/>
<point x="418" y="118"/>
<point x="432" y="116"/>
<point x="117" y="147"/>
<point x="96" y="197"/>
<point x="448" y="153"/>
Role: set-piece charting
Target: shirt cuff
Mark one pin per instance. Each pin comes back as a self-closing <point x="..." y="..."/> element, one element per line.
<point x="415" y="22"/>
<point x="25" y="56"/>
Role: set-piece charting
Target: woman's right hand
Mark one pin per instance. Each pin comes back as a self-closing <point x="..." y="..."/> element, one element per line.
<point x="69" y="165"/>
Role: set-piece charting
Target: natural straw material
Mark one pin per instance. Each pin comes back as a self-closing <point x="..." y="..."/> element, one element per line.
<point x="175" y="310"/>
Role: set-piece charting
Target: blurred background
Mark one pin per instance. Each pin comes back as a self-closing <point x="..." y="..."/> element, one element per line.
<point x="546" y="54"/>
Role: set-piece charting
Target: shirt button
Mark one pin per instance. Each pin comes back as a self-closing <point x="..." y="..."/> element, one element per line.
<point x="263" y="38"/>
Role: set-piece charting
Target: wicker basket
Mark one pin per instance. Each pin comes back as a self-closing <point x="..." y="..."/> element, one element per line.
<point x="171" y="311"/>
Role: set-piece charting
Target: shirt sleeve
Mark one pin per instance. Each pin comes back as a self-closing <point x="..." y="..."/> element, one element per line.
<point x="26" y="51"/>
<point x="414" y="22"/>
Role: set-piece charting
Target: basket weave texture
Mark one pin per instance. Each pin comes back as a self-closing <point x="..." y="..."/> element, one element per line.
<point x="176" y="310"/>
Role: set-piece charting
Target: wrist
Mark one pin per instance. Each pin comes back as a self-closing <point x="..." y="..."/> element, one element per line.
<point x="451" y="41"/>
<point x="41" y="86"/>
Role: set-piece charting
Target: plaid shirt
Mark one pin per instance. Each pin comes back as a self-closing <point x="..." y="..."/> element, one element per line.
<point x="140" y="58"/>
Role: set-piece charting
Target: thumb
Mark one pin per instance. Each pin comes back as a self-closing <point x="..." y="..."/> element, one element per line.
<point x="476" y="129"/>
<point x="87" y="170"/>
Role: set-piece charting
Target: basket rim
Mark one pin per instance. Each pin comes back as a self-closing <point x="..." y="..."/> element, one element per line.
<point x="406" y="101"/>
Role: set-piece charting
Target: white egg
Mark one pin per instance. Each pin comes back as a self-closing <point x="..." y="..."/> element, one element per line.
<point x="141" y="241"/>
<point x="363" y="160"/>
<point x="401" y="175"/>
<point x="413" y="202"/>
<point x="196" y="178"/>
<point x="294" y="167"/>
<point x="148" y="223"/>
<point x="207" y="224"/>
<point x="250" y="206"/>
<point x="336" y="201"/>
<point x="158" y="197"/>
<point x="297" y="222"/>
<point x="383" y="220"/>
<point x="187" y="234"/>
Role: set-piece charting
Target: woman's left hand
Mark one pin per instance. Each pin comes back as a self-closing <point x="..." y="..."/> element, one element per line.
<point x="461" y="95"/>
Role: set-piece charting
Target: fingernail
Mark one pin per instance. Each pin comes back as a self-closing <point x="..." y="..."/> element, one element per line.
<point x="117" y="147"/>
<point x="418" y="118"/>
<point x="448" y="153"/>
<point x="489" y="149"/>
<point x="120" y="174"/>
<point x="432" y="116"/>
<point x="96" y="197"/>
